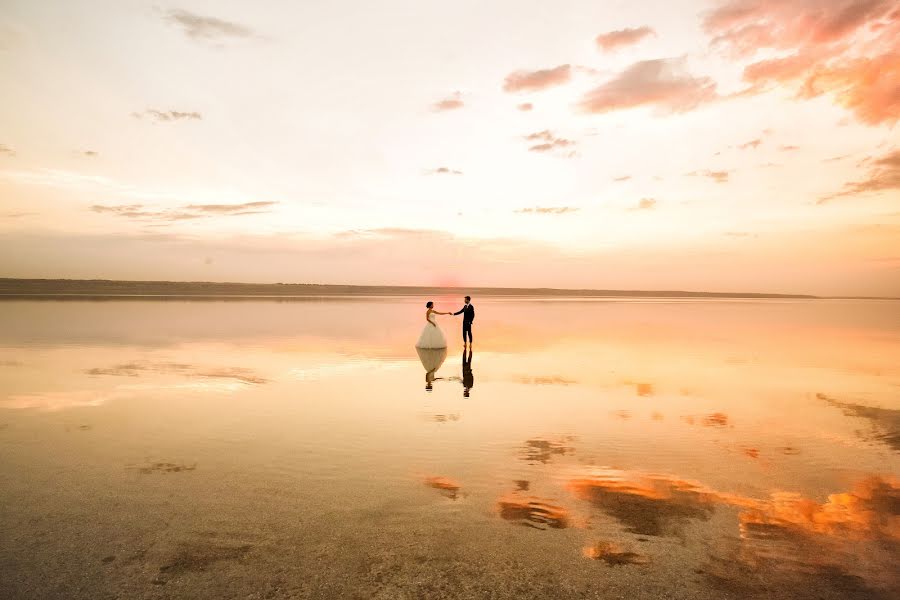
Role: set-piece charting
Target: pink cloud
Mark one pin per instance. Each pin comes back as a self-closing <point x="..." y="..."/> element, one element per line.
<point x="519" y="81"/>
<point x="452" y="102"/>
<point x="622" y="37"/>
<point x="848" y="49"/>
<point x="525" y="106"/>
<point x="663" y="83"/>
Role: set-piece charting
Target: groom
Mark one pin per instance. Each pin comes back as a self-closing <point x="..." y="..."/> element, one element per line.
<point x="468" y="313"/>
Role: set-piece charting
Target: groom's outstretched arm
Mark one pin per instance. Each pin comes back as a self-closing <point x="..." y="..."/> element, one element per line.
<point x="460" y="311"/>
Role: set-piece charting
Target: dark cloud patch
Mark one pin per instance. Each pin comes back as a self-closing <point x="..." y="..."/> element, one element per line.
<point x="547" y="210"/>
<point x="884" y="174"/>
<point x="547" y="141"/>
<point x="199" y="27"/>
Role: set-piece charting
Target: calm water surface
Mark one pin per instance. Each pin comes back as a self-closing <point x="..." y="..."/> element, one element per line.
<point x="587" y="448"/>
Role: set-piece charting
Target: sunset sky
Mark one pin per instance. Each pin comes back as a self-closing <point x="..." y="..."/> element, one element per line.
<point x="736" y="145"/>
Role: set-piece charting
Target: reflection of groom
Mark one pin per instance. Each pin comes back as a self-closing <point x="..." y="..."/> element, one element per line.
<point x="468" y="378"/>
<point x="468" y="313"/>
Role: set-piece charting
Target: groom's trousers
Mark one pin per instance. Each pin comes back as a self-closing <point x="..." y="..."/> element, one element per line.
<point x="467" y="330"/>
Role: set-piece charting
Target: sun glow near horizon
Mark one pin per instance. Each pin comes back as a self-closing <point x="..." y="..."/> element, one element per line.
<point x="736" y="145"/>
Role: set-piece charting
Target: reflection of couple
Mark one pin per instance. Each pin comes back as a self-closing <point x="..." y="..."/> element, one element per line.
<point x="433" y="358"/>
<point x="433" y="337"/>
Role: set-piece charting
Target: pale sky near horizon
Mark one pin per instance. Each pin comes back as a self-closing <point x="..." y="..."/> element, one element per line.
<point x="735" y="145"/>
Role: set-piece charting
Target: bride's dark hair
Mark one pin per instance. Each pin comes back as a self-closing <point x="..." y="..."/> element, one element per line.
<point x="429" y="304"/>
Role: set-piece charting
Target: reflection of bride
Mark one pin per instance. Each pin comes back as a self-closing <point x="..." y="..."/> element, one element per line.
<point x="432" y="359"/>
<point x="432" y="336"/>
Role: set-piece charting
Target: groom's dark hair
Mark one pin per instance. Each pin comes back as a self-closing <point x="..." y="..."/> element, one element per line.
<point x="468" y="297"/>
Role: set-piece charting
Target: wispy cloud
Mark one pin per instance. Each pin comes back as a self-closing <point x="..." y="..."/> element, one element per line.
<point x="547" y="210"/>
<point x="788" y="148"/>
<point x="201" y="27"/>
<point x="6" y="151"/>
<point x="751" y="144"/>
<point x="613" y="40"/>
<point x="452" y="102"/>
<point x="525" y="106"/>
<point x="547" y="141"/>
<point x="531" y="81"/>
<point x="884" y="174"/>
<point x="622" y="178"/>
<point x="167" y="115"/>
<point x="663" y="83"/>
<point x="717" y="176"/>
<point x="141" y="212"/>
<point x="443" y="171"/>
<point x="231" y="209"/>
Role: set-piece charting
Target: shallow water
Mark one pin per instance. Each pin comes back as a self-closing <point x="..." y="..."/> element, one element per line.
<point x="590" y="448"/>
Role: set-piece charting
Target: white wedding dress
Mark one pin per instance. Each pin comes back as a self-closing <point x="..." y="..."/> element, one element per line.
<point x="432" y="336"/>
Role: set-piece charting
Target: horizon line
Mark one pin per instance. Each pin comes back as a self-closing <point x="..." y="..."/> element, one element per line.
<point x="62" y="287"/>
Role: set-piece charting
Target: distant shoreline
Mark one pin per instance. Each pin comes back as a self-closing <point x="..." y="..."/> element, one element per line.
<point x="111" y="289"/>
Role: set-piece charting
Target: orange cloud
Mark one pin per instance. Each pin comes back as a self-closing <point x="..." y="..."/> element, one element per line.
<point x="847" y="48"/>
<point x="751" y="144"/>
<point x="622" y="37"/>
<point x="519" y="81"/>
<point x="884" y="175"/>
<point x="664" y="83"/>
<point x="200" y="27"/>
<point x="451" y="102"/>
<point x="645" y="204"/>
<point x="717" y="176"/>
<point x="525" y="106"/>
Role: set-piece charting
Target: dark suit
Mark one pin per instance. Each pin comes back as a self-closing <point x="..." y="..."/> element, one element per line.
<point x="468" y="378"/>
<point x="468" y="313"/>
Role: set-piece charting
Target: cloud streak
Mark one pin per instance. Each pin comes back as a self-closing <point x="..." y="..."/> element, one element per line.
<point x="163" y="116"/>
<point x="532" y="81"/>
<point x="547" y="210"/>
<point x="613" y="40"/>
<point x="139" y="212"/>
<point x="547" y="141"/>
<point x="884" y="175"/>
<point x="199" y="27"/>
<point x="452" y="102"/>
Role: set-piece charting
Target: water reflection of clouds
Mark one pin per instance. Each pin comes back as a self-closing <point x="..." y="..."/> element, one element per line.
<point x="135" y="369"/>
<point x="885" y="422"/>
<point x="532" y="512"/>
<point x="855" y="532"/>
<point x="542" y="451"/>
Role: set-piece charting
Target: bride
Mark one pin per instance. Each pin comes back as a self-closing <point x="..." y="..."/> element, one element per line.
<point x="432" y="336"/>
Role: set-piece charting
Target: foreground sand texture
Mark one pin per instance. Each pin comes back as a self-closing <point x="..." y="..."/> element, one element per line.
<point x="609" y="448"/>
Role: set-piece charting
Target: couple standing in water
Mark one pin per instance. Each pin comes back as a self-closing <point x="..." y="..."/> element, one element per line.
<point x="433" y="337"/>
<point x="432" y="345"/>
